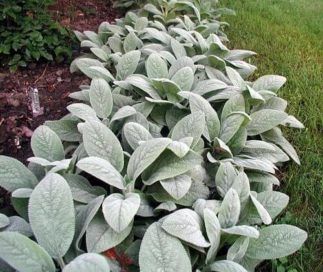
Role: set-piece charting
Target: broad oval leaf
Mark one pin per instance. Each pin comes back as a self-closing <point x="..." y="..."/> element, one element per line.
<point x="82" y="111"/>
<point x="276" y="241"/>
<point x="156" y="67"/>
<point x="88" y="262"/>
<point x="157" y="252"/>
<point x="101" y="97"/>
<point x="127" y="64"/>
<point x="119" y="210"/>
<point x="213" y="230"/>
<point x="46" y="144"/>
<point x="103" y="170"/>
<point x="230" y="209"/>
<point x="184" y="78"/>
<point x="227" y="266"/>
<point x="47" y="215"/>
<point x="100" y="141"/>
<point x="269" y="82"/>
<point x="135" y="133"/>
<point x="24" y="254"/>
<point x="187" y="226"/>
<point x="14" y="175"/>
<point x="177" y="186"/>
<point x="4" y="220"/>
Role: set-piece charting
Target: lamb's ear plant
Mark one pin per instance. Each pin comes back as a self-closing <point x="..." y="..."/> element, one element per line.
<point x="166" y="163"/>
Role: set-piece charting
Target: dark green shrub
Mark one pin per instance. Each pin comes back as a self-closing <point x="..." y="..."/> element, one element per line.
<point x="27" y="34"/>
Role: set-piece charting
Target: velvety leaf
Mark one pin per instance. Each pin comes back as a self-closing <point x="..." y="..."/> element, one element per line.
<point x="230" y="209"/>
<point x="156" y="67"/>
<point x="88" y="262"/>
<point x="127" y="64"/>
<point x="177" y="186"/>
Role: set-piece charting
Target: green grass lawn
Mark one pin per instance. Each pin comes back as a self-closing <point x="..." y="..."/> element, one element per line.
<point x="288" y="37"/>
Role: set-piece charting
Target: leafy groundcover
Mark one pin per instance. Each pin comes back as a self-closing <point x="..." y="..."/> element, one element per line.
<point x="166" y="162"/>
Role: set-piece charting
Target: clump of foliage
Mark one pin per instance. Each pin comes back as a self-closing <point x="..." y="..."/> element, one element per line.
<point x="167" y="163"/>
<point x="28" y="34"/>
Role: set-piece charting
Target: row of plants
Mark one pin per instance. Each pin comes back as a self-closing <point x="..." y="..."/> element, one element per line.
<point x="166" y="163"/>
<point x="28" y="34"/>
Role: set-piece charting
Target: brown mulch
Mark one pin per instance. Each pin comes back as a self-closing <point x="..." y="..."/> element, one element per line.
<point x="53" y="81"/>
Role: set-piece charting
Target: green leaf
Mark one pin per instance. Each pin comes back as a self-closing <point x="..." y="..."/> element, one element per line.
<point x="14" y="175"/>
<point x="4" y="220"/>
<point x="213" y="230"/>
<point x="127" y="64"/>
<point x="101" y="97"/>
<point x="179" y="148"/>
<point x="141" y="23"/>
<point x="276" y="241"/>
<point x="187" y="226"/>
<point x="157" y="252"/>
<point x="230" y="209"/>
<point x="47" y="215"/>
<point x="156" y="67"/>
<point x="103" y="170"/>
<point x="100" y="141"/>
<point x="82" y="111"/>
<point x="225" y="177"/>
<point x="232" y="124"/>
<point x="243" y="230"/>
<point x="145" y="155"/>
<point x="234" y="104"/>
<point x="119" y="210"/>
<point x="169" y="165"/>
<point x="65" y="129"/>
<point x="177" y="186"/>
<point x="192" y="125"/>
<point x="101" y="237"/>
<point x="184" y="78"/>
<point x="235" y="78"/>
<point x="238" y="250"/>
<point x="227" y="266"/>
<point x="178" y="49"/>
<point x="24" y="254"/>
<point x="84" y="65"/>
<point x="264" y="215"/>
<point x="46" y="144"/>
<point x="265" y="120"/>
<point x="88" y="262"/>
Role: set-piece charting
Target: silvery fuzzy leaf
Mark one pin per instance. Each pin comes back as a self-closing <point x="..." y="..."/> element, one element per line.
<point x="103" y="170"/>
<point x="167" y="56"/>
<point x="65" y="129"/>
<point x="18" y="224"/>
<point x="16" y="249"/>
<point x="115" y="44"/>
<point x="269" y="82"/>
<point x="168" y="87"/>
<point x="88" y="262"/>
<point x="227" y="266"/>
<point x="184" y="34"/>
<point x="235" y="78"/>
<point x="230" y="209"/>
<point x="14" y="175"/>
<point x="84" y="216"/>
<point x="221" y="147"/>
<point x="168" y="165"/>
<point x="156" y="252"/>
<point x="235" y="103"/>
<point x="167" y="206"/>
<point x="192" y="6"/>
<point x="127" y="64"/>
<point x="177" y="48"/>
<point x="143" y="83"/>
<point x="186" y="225"/>
<point x="4" y="221"/>
<point x="209" y="86"/>
<point x="156" y="67"/>
<point x="264" y="120"/>
<point x="145" y="155"/>
<point x="199" y="104"/>
<point x="177" y="186"/>
<point x="83" y="65"/>
<point x="100" y="141"/>
<point x="291" y="121"/>
<point x="48" y="216"/>
<point x="274" y="103"/>
<point x="181" y="63"/>
<point x="144" y="107"/>
<point x="242" y="230"/>
<point x="275" y="135"/>
<point x="135" y="133"/>
<point x="92" y="36"/>
<point x="238" y="54"/>
<point x="152" y="9"/>
<point x="201" y="42"/>
<point x="101" y="72"/>
<point x="192" y="125"/>
<point x="119" y="210"/>
<point x="216" y="62"/>
<point x="82" y="111"/>
<point x="82" y="190"/>
<point x="101" y="237"/>
<point x="100" y="53"/>
<point x="238" y="250"/>
<point x="254" y="95"/>
<point x="254" y="163"/>
<point x="123" y="113"/>
<point x="249" y="263"/>
<point x="131" y="42"/>
<point x="154" y="34"/>
<point x="242" y="185"/>
<point x="46" y="144"/>
<point x="263" y="213"/>
<point x="184" y="78"/>
<point x="141" y="23"/>
<point x="276" y="241"/>
<point x="213" y="73"/>
<point x="83" y="95"/>
<point x="245" y="69"/>
<point x="232" y="124"/>
<point x="179" y="148"/>
<point x="263" y="178"/>
<point x="201" y="204"/>
<point x="225" y="177"/>
<point x="213" y="230"/>
<point x="101" y="97"/>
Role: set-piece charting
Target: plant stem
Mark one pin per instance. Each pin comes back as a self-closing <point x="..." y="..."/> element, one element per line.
<point x="61" y="262"/>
